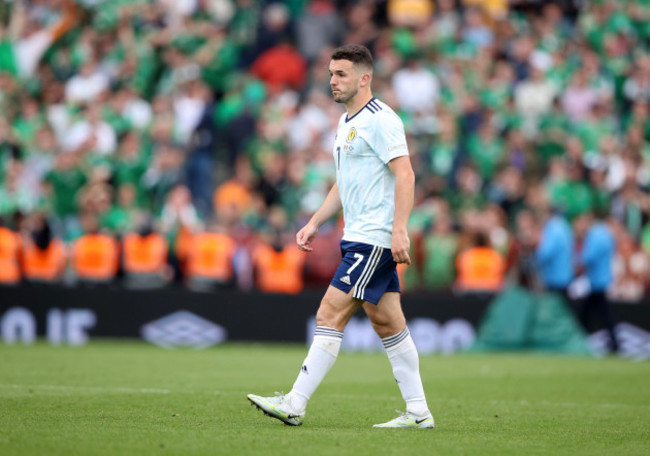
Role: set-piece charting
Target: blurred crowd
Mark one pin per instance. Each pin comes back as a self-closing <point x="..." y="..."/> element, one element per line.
<point x="187" y="140"/>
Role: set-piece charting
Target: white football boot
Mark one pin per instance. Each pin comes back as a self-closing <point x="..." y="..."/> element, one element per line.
<point x="409" y="420"/>
<point x="278" y="407"/>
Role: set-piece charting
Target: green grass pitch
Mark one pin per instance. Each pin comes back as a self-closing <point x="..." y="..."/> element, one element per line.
<point x="129" y="398"/>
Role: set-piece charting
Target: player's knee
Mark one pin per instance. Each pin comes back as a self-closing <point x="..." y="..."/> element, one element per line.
<point x="329" y="317"/>
<point x="386" y="328"/>
<point x="382" y="329"/>
<point x="330" y="320"/>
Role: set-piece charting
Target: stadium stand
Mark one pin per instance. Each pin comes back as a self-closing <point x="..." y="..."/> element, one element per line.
<point x="136" y="110"/>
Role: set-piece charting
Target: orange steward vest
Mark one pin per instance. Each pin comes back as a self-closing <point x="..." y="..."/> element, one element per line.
<point x="279" y="272"/>
<point x="144" y="254"/>
<point x="480" y="269"/>
<point x="209" y="255"/>
<point x="9" y="253"/>
<point x="95" y="257"/>
<point x="44" y="265"/>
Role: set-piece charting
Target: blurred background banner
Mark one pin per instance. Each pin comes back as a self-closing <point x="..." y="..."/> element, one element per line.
<point x="440" y="323"/>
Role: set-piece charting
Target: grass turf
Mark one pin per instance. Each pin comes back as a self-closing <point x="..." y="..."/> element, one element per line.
<point x="119" y="398"/>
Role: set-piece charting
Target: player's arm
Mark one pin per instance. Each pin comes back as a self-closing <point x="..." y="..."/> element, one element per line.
<point x="404" y="191"/>
<point x="330" y="207"/>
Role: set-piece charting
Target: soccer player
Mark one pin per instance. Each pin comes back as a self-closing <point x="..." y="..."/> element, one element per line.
<point x="374" y="187"/>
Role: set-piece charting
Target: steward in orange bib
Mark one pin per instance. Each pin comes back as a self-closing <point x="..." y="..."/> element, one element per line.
<point x="9" y="257"/>
<point x="95" y="256"/>
<point x="480" y="268"/>
<point x="279" y="267"/>
<point x="209" y="259"/>
<point x="44" y="257"/>
<point x="144" y="258"/>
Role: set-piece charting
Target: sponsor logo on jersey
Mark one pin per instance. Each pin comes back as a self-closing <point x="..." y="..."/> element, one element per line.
<point x="346" y="280"/>
<point x="351" y="135"/>
<point x="396" y="147"/>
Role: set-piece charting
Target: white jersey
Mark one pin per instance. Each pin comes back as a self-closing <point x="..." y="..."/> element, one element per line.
<point x="364" y="145"/>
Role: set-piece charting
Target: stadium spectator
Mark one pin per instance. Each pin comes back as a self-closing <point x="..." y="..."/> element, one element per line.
<point x="62" y="185"/>
<point x="179" y="211"/>
<point x="319" y="26"/>
<point x="236" y="191"/>
<point x="440" y="247"/>
<point x="534" y="96"/>
<point x="278" y="263"/>
<point x="521" y="263"/>
<point x="409" y="13"/>
<point x="279" y="67"/>
<point x="480" y="269"/>
<point x="124" y="215"/>
<point x="554" y="254"/>
<point x="9" y="256"/>
<point x="144" y="258"/>
<point x="417" y="88"/>
<point x="210" y="256"/>
<point x="25" y="41"/>
<point x="318" y="269"/>
<point x="447" y="21"/>
<point x="44" y="256"/>
<point x="361" y="25"/>
<point x="88" y="85"/>
<point x="91" y="133"/>
<point x="595" y="259"/>
<point x="475" y="31"/>
<point x="579" y="97"/>
<point x="165" y="173"/>
<point x="19" y="194"/>
<point x="95" y="256"/>
<point x="631" y="270"/>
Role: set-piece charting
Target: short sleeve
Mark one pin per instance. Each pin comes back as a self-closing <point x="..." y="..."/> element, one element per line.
<point x="390" y="141"/>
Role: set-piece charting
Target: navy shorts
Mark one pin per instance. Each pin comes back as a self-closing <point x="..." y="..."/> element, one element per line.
<point x="369" y="269"/>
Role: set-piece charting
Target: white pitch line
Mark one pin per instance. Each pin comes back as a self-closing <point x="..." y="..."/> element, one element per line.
<point x="495" y="402"/>
<point x="571" y="404"/>
<point x="116" y="389"/>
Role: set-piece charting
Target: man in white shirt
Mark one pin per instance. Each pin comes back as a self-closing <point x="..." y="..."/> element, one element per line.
<point x="88" y="85"/>
<point x="374" y="187"/>
<point x="417" y="88"/>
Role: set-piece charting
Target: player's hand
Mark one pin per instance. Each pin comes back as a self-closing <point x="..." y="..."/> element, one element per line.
<point x="400" y="247"/>
<point x="305" y="236"/>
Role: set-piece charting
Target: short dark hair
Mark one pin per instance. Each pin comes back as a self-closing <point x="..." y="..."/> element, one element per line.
<point x="355" y="53"/>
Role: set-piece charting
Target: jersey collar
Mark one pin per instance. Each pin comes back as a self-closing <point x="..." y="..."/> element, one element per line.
<point x="359" y="111"/>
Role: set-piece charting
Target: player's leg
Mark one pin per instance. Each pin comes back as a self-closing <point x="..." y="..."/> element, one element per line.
<point x="388" y="321"/>
<point x="387" y="317"/>
<point x="336" y="309"/>
<point x="334" y="313"/>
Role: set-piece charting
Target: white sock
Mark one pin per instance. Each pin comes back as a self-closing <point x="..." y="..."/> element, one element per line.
<point x="403" y="357"/>
<point x="322" y="354"/>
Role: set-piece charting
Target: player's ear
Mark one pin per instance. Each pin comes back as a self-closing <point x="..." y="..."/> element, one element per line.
<point x="365" y="79"/>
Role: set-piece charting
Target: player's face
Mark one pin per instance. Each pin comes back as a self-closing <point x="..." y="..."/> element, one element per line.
<point x="344" y="80"/>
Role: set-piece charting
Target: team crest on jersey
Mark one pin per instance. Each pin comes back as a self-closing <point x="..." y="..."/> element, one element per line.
<point x="351" y="135"/>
